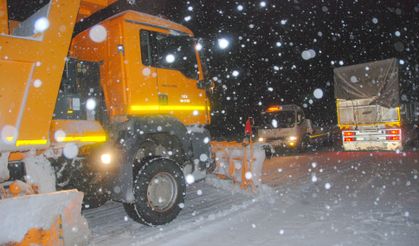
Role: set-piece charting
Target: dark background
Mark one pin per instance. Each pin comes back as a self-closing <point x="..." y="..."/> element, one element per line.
<point x="338" y="31"/>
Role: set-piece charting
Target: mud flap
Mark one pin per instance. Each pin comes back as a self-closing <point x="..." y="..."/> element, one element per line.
<point x="22" y="214"/>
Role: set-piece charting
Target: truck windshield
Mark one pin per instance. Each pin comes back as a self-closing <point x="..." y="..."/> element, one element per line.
<point x="282" y="119"/>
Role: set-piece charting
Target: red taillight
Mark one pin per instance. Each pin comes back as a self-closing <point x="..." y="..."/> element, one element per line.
<point x="348" y="134"/>
<point x="393" y="138"/>
<point x="393" y="132"/>
<point x="349" y="139"/>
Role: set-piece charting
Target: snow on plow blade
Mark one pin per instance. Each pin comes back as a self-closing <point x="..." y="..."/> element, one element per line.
<point x="44" y="219"/>
<point x="242" y="163"/>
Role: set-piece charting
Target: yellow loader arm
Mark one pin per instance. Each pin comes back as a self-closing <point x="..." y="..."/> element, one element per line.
<point x="32" y="58"/>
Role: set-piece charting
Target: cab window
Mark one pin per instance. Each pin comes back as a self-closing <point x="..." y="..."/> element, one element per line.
<point x="169" y="52"/>
<point x="281" y="119"/>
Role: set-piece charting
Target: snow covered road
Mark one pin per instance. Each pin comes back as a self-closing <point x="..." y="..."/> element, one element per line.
<point x="326" y="198"/>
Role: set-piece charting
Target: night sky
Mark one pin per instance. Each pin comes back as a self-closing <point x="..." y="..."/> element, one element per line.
<point x="340" y="33"/>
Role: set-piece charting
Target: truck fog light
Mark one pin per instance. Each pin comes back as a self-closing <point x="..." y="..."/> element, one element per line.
<point x="106" y="158"/>
<point x="261" y="139"/>
<point x="293" y="138"/>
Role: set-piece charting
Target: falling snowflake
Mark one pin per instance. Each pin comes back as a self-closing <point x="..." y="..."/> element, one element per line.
<point x="308" y="54"/>
<point x="90" y="104"/>
<point x="190" y="179"/>
<point x="41" y="25"/>
<point x="170" y="58"/>
<point x="223" y="43"/>
<point x="70" y="150"/>
<point x="98" y="33"/>
<point x="37" y="83"/>
<point x="248" y="175"/>
<point x="327" y="186"/>
<point x="318" y="93"/>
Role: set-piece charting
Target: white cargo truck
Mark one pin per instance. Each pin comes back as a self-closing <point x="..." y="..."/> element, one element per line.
<point x="285" y="126"/>
<point x="372" y="112"/>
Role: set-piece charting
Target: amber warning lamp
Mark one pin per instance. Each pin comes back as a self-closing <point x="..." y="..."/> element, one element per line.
<point x="274" y="108"/>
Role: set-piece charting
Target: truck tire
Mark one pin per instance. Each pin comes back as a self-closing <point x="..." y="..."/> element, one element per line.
<point x="159" y="191"/>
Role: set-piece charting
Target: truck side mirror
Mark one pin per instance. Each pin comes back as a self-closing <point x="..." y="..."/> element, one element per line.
<point x="206" y="83"/>
<point x="309" y="126"/>
<point x="201" y="47"/>
<point x="300" y="119"/>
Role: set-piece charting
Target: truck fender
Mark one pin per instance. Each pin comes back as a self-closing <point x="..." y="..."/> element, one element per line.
<point x="129" y="136"/>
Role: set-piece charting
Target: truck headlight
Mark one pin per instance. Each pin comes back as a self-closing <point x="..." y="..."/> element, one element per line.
<point x="261" y="139"/>
<point x="106" y="158"/>
<point x="292" y="138"/>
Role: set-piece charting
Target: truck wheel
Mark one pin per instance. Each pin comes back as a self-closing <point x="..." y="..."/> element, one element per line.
<point x="159" y="191"/>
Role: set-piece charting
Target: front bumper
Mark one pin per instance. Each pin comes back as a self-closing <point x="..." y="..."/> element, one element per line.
<point x="286" y="144"/>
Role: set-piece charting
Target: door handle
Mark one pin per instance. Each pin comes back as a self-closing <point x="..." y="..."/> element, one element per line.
<point x="163" y="99"/>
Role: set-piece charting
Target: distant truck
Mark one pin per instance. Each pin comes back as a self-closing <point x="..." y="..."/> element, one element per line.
<point x="372" y="112"/>
<point x="285" y="126"/>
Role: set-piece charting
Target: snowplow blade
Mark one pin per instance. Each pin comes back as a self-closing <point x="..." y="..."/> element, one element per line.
<point x="242" y="163"/>
<point x="44" y="219"/>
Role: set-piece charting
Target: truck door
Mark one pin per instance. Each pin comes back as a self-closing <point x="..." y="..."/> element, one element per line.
<point x="145" y="92"/>
<point x="177" y="77"/>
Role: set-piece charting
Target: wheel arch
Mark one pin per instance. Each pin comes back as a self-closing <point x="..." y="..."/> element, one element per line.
<point x="129" y="136"/>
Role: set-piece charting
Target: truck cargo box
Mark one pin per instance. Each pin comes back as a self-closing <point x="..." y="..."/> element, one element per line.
<point x="378" y="80"/>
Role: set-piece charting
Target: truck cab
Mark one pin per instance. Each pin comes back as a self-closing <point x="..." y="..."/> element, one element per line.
<point x="284" y="126"/>
<point x="146" y="79"/>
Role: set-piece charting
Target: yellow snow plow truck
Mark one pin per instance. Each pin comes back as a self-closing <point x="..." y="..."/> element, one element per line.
<point x="97" y="97"/>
